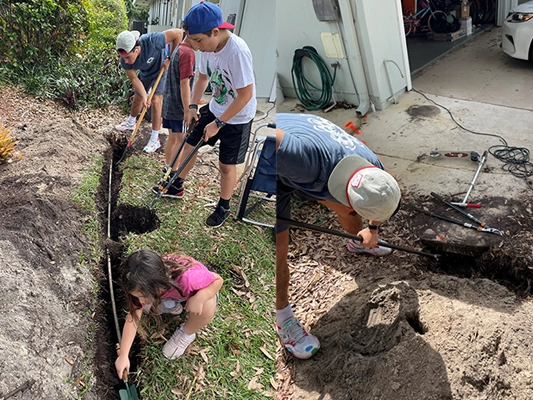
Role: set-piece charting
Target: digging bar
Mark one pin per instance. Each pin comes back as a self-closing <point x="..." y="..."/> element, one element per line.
<point x="132" y="137"/>
<point x="298" y="224"/>
<point x="471" y="186"/>
<point x="178" y="152"/>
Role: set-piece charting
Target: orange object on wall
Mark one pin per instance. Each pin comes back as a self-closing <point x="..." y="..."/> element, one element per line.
<point x="409" y="5"/>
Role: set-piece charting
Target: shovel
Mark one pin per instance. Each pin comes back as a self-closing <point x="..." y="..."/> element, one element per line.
<point x="130" y="393"/>
<point x="132" y="137"/>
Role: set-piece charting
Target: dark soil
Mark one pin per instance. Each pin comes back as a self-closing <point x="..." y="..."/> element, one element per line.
<point x="57" y="338"/>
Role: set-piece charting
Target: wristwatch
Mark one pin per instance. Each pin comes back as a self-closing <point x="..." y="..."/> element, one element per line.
<point x="220" y="123"/>
<point x="373" y="227"/>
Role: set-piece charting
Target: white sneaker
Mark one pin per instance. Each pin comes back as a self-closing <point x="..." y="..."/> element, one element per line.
<point x="300" y="343"/>
<point x="177" y="344"/>
<point x="354" y="246"/>
<point x="152" y="146"/>
<point x="125" y="126"/>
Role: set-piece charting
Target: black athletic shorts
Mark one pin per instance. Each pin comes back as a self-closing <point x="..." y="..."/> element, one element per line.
<point x="233" y="138"/>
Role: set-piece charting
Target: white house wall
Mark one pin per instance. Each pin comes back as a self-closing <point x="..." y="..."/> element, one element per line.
<point x="297" y="26"/>
<point x="255" y="23"/>
<point x="374" y="65"/>
<point x="382" y="43"/>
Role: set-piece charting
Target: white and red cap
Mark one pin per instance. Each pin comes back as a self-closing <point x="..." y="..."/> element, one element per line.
<point x="126" y="41"/>
<point x="372" y="192"/>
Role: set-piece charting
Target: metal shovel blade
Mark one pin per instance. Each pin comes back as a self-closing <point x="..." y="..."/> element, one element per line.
<point x="130" y="393"/>
<point x="124" y="394"/>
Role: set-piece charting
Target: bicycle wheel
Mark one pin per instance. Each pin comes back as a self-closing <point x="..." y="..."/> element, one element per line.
<point x="437" y="22"/>
<point x="408" y="26"/>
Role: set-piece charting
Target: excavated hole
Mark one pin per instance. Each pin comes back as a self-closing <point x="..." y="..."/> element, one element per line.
<point x="507" y="263"/>
<point x="498" y="266"/>
<point x="414" y="321"/>
<point x="124" y="219"/>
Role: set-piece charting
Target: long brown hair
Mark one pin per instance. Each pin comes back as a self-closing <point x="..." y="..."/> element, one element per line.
<point x="146" y="272"/>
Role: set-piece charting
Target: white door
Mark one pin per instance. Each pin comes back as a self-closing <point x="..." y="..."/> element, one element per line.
<point x="260" y="35"/>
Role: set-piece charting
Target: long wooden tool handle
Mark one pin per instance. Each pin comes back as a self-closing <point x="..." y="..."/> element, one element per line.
<point x="351" y="236"/>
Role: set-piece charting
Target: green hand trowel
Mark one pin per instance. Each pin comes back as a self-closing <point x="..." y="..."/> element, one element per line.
<point x="130" y="393"/>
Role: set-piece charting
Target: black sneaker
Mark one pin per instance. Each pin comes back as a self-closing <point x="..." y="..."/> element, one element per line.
<point x="218" y="217"/>
<point x="173" y="191"/>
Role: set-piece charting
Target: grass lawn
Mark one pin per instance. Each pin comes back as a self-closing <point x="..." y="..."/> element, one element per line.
<point x="234" y="356"/>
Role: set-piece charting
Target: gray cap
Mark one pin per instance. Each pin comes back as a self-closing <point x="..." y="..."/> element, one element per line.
<point x="126" y="40"/>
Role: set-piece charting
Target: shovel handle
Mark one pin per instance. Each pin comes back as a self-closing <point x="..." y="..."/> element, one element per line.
<point x="351" y="236"/>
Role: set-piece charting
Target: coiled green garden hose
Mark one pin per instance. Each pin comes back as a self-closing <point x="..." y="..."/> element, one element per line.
<point x="303" y="86"/>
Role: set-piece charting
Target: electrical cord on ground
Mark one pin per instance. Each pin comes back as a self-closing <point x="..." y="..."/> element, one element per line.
<point x="516" y="159"/>
<point x="268" y="112"/>
<point x="302" y="85"/>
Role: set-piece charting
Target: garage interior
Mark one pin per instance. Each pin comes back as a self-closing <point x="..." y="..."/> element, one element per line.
<point x="465" y="22"/>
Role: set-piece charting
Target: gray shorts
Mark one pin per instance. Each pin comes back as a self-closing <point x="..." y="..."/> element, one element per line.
<point x="148" y="83"/>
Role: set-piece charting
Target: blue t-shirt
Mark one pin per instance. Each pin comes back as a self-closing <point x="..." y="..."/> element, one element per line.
<point x="311" y="148"/>
<point x="151" y="58"/>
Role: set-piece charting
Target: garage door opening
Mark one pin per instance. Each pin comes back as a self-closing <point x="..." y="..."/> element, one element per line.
<point x="433" y="28"/>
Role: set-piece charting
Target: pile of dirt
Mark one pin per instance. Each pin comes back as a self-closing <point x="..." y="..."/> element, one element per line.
<point x="407" y="327"/>
<point x="49" y="302"/>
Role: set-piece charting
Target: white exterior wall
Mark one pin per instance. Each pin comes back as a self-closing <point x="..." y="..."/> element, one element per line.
<point x="384" y="49"/>
<point x="297" y="26"/>
<point x="370" y="36"/>
<point x="255" y="23"/>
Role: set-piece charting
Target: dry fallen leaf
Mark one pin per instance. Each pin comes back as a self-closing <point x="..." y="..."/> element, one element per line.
<point x="254" y="385"/>
<point x="266" y="353"/>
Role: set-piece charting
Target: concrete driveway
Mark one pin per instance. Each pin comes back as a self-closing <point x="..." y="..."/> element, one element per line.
<point x="486" y="91"/>
<point x="480" y="71"/>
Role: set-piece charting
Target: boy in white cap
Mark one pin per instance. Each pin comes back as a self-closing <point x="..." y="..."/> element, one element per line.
<point x="225" y="63"/>
<point x="317" y="160"/>
<point x="145" y="53"/>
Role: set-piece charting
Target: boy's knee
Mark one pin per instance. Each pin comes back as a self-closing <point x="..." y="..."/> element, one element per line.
<point x="226" y="168"/>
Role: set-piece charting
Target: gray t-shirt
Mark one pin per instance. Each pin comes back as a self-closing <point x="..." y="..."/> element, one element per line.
<point x="311" y="148"/>
<point x="150" y="60"/>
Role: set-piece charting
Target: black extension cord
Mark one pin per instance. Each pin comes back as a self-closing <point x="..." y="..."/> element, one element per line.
<point x="516" y="160"/>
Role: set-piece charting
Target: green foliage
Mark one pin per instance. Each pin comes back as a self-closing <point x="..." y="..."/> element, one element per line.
<point x="64" y="51"/>
<point x="37" y="31"/>
<point x="90" y="80"/>
<point x="139" y="13"/>
<point x="107" y="18"/>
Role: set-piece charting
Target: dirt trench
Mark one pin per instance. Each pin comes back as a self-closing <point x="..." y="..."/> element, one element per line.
<point x="57" y="336"/>
<point x="116" y="221"/>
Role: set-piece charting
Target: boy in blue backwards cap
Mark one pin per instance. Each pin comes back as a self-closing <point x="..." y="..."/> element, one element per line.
<point x="225" y="63"/>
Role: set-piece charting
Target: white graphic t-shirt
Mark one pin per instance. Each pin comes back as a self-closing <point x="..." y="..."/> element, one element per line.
<point x="228" y="70"/>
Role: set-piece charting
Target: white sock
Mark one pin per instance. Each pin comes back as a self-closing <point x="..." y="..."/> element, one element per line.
<point x="155" y="135"/>
<point x="132" y="120"/>
<point x="283" y="315"/>
<point x="185" y="335"/>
